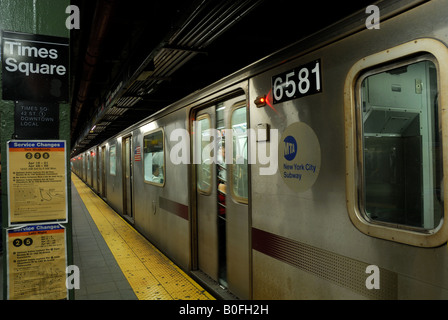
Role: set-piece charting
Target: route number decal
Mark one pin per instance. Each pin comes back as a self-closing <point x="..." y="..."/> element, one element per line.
<point x="297" y="83"/>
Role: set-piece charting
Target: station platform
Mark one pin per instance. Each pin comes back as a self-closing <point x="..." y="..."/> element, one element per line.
<point x="118" y="263"/>
<point x="115" y="261"/>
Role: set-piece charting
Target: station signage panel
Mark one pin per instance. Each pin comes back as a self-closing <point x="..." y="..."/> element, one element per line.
<point x="35" y="67"/>
<point x="36" y="120"/>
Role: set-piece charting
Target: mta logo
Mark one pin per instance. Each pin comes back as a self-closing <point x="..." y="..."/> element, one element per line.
<point x="289" y="148"/>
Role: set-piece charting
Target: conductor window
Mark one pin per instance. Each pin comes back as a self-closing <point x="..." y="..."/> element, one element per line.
<point x="153" y="157"/>
<point x="400" y="155"/>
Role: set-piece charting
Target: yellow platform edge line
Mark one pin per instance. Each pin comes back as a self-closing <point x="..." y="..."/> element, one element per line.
<point x="132" y="268"/>
<point x="84" y="192"/>
<point x="91" y="197"/>
<point x="186" y="276"/>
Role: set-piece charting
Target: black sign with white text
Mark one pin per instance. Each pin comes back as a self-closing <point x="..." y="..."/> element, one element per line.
<point x="34" y="67"/>
<point x="299" y="82"/>
<point x="34" y="120"/>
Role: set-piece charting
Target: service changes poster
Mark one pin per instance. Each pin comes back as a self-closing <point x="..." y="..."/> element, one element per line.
<point x="37" y="181"/>
<point x="37" y="260"/>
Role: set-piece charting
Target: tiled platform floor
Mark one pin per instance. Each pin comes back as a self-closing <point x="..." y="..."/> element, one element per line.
<point x="118" y="258"/>
<point x="100" y="274"/>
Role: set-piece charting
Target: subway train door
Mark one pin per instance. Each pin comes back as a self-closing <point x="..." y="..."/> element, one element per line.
<point x="103" y="171"/>
<point x="221" y="181"/>
<point x="98" y="173"/>
<point x="127" y="177"/>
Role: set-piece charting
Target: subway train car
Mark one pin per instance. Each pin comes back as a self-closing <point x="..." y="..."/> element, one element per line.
<point x="314" y="173"/>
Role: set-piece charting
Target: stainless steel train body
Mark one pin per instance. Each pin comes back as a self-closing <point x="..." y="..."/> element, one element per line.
<point x="354" y="207"/>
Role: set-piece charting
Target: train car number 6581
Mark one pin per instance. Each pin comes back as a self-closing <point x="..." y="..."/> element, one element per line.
<point x="299" y="82"/>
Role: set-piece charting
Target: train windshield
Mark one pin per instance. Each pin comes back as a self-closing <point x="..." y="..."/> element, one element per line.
<point x="401" y="147"/>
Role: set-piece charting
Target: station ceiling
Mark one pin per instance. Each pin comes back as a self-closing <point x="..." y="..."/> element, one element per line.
<point x="132" y="58"/>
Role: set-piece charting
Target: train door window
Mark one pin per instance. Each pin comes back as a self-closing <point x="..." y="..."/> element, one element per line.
<point x="204" y="167"/>
<point x="398" y="169"/>
<point x="239" y="181"/>
<point x="113" y="160"/>
<point x="154" y="158"/>
<point x="221" y="166"/>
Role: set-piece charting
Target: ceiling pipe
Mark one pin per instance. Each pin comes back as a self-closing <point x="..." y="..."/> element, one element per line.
<point x="102" y="17"/>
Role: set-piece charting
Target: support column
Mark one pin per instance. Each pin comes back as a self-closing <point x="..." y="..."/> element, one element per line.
<point x="43" y="18"/>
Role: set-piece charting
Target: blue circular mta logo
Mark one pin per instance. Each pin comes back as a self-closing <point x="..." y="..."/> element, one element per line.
<point x="289" y="148"/>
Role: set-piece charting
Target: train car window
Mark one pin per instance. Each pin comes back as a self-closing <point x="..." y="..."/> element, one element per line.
<point x="401" y="159"/>
<point x="113" y="160"/>
<point x="394" y="126"/>
<point x="154" y="158"/>
<point x="204" y="167"/>
<point x="239" y="182"/>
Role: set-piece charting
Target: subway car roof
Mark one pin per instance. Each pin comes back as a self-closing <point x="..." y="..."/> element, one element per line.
<point x="131" y="85"/>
